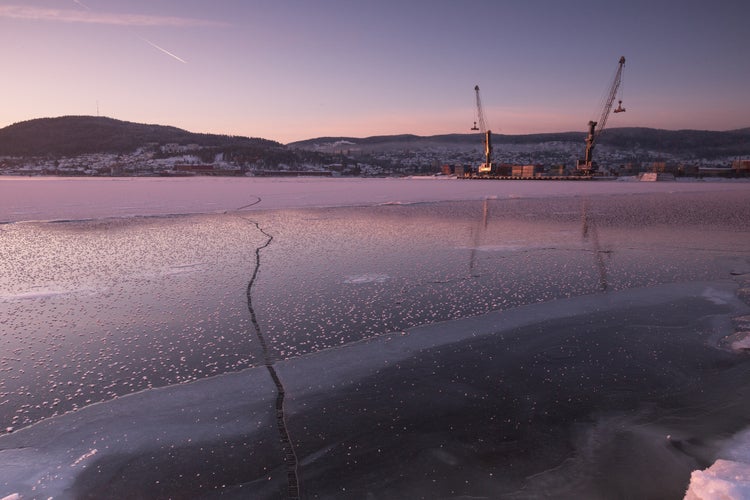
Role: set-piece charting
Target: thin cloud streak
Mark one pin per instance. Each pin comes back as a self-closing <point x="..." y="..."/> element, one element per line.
<point x="90" y="17"/>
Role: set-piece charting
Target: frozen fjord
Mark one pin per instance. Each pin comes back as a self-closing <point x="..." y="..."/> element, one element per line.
<point x="55" y="198"/>
<point x="496" y="255"/>
<point x="484" y="405"/>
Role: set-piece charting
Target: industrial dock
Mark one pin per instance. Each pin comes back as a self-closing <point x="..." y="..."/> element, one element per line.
<point x="585" y="167"/>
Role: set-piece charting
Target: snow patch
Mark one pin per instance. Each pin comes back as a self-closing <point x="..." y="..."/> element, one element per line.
<point x="725" y="480"/>
<point x="718" y="297"/>
<point x="367" y="278"/>
<point x="729" y="477"/>
<point x="43" y="293"/>
<point x="742" y="344"/>
<point x="85" y="456"/>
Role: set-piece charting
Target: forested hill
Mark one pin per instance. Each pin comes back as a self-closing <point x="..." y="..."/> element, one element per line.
<point x="683" y="143"/>
<point x="76" y="135"/>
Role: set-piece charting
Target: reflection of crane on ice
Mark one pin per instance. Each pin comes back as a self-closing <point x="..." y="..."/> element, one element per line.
<point x="587" y="165"/>
<point x="486" y="167"/>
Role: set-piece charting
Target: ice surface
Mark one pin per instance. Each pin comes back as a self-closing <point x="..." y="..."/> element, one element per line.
<point x="474" y="405"/>
<point x="42" y="198"/>
<point x="131" y="443"/>
<point x="45" y="460"/>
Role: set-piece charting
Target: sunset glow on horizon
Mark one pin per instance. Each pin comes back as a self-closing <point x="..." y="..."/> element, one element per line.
<point x="294" y="70"/>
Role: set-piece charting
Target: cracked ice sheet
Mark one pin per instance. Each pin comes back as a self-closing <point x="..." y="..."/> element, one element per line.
<point x="704" y="246"/>
<point x="441" y="398"/>
<point x="98" y="309"/>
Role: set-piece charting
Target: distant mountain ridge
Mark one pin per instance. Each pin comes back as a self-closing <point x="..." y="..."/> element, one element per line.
<point x="470" y="139"/>
<point x="696" y="143"/>
<point x="76" y="135"/>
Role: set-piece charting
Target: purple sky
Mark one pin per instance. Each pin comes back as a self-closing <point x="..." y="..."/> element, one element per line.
<point x="291" y="70"/>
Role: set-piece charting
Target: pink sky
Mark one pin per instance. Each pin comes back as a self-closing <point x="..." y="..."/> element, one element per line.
<point x="294" y="70"/>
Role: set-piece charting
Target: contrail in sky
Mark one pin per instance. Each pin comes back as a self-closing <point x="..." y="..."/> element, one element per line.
<point x="92" y="17"/>
<point x="163" y="50"/>
<point x="78" y="2"/>
<point x="82" y="4"/>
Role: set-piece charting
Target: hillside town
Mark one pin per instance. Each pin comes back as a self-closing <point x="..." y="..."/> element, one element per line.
<point x="343" y="158"/>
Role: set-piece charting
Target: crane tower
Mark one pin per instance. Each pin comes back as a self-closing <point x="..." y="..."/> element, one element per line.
<point x="587" y="166"/>
<point x="486" y="167"/>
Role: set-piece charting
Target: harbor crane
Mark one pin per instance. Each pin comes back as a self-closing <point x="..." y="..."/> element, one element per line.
<point x="587" y="166"/>
<point x="486" y="167"/>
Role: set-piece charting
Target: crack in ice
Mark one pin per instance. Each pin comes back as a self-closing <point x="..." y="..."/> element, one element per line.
<point x="249" y="205"/>
<point x="290" y="458"/>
